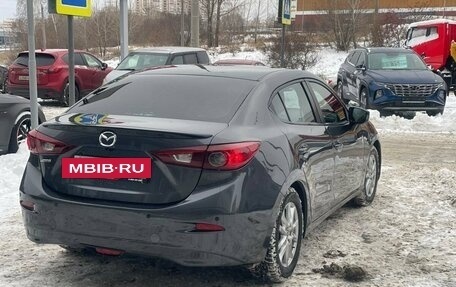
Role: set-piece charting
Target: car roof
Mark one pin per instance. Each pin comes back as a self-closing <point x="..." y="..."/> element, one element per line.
<point x="237" y="62"/>
<point x="52" y="51"/>
<point x="386" y="50"/>
<point x="252" y="73"/>
<point x="169" y="50"/>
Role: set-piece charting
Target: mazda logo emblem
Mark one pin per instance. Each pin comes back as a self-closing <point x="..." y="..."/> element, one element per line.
<point x="107" y="139"/>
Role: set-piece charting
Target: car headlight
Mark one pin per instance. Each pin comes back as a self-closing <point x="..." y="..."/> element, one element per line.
<point x="378" y="94"/>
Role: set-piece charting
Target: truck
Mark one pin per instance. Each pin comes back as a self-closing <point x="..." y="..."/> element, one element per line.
<point x="432" y="40"/>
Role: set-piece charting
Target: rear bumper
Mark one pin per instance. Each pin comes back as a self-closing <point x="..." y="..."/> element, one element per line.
<point x="159" y="232"/>
<point x="43" y="93"/>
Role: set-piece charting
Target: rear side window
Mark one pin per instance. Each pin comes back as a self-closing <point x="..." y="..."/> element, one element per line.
<point x="177" y="60"/>
<point x="78" y="61"/>
<point x="190" y="59"/>
<point x="278" y="108"/>
<point x="170" y="96"/>
<point x="41" y="59"/>
<point x="297" y="104"/>
<point x="203" y="58"/>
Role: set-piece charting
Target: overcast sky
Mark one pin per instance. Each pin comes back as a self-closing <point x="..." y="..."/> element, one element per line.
<point x="7" y="9"/>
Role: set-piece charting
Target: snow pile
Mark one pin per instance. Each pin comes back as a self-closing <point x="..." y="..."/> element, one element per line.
<point x="11" y="169"/>
<point x="329" y="63"/>
<point x="420" y="123"/>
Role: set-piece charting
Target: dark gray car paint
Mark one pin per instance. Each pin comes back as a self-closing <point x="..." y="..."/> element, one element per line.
<point x="246" y="201"/>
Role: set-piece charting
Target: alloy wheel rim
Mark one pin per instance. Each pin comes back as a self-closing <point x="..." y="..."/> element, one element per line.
<point x="289" y="232"/>
<point x="22" y="130"/>
<point x="371" y="175"/>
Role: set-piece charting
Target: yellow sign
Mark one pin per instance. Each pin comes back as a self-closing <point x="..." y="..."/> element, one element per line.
<point x="82" y="8"/>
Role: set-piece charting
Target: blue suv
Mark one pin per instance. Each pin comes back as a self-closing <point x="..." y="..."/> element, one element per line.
<point x="391" y="80"/>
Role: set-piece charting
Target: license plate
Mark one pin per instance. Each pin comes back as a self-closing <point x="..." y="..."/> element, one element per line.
<point x="23" y="78"/>
<point x="107" y="168"/>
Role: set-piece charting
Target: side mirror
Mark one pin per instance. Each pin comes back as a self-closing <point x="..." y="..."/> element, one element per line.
<point x="104" y="66"/>
<point x="361" y="68"/>
<point x="358" y="115"/>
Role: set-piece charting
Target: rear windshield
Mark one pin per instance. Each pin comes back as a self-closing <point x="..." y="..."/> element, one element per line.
<point x="138" y="61"/>
<point x="41" y="59"/>
<point x="200" y="98"/>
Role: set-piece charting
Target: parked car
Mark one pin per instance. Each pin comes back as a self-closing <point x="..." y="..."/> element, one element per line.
<point x="15" y="122"/>
<point x="234" y="172"/>
<point x="158" y="56"/>
<point x="52" y="74"/>
<point x="391" y="80"/>
<point x="3" y="78"/>
<point x="231" y="62"/>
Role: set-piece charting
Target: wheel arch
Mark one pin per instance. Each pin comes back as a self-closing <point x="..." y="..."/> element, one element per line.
<point x="302" y="192"/>
<point x="379" y="150"/>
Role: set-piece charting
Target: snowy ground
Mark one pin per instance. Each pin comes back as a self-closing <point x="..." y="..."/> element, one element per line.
<point x="405" y="238"/>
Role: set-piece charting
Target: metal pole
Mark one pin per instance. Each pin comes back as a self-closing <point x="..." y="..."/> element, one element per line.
<point x="182" y="23"/>
<point x="71" y="98"/>
<point x="195" y="24"/>
<point x="43" y="29"/>
<point x="123" y="29"/>
<point x="282" y="48"/>
<point x="32" y="65"/>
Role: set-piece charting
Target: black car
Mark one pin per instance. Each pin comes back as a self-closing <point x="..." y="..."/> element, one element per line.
<point x="391" y="80"/>
<point x="221" y="166"/>
<point x="14" y="121"/>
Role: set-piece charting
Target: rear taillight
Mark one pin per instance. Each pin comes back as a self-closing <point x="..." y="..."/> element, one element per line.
<point x="216" y="157"/>
<point x="39" y="143"/>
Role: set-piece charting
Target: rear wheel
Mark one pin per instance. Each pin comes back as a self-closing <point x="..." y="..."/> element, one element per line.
<point x="19" y="133"/>
<point x="66" y="95"/>
<point x="370" y="180"/>
<point x="285" y="242"/>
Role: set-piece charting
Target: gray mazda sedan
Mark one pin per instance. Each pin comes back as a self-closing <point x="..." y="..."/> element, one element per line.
<point x="201" y="165"/>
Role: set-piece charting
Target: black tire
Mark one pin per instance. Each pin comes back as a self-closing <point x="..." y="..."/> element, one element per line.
<point x="272" y="268"/>
<point x="369" y="188"/>
<point x="434" y="113"/>
<point x="363" y="98"/>
<point x="19" y="133"/>
<point x="66" y="95"/>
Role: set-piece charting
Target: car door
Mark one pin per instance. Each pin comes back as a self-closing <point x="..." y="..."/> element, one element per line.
<point x="97" y="72"/>
<point x="81" y="72"/>
<point x="310" y="143"/>
<point x="359" y="73"/>
<point x="351" y="76"/>
<point x="349" y="141"/>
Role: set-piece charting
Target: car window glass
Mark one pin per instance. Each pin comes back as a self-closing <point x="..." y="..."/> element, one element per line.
<point x="396" y="61"/>
<point x="91" y="61"/>
<point x="78" y="61"/>
<point x="41" y="59"/>
<point x="278" y="108"/>
<point x="176" y="97"/>
<point x="178" y="60"/>
<point x="203" y="58"/>
<point x="361" y="60"/>
<point x="190" y="59"/>
<point x="140" y="60"/>
<point x="297" y="104"/>
<point x="331" y="108"/>
<point x="355" y="57"/>
<point x="349" y="57"/>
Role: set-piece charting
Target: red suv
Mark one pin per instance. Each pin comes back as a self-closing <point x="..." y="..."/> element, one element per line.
<point x="52" y="74"/>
